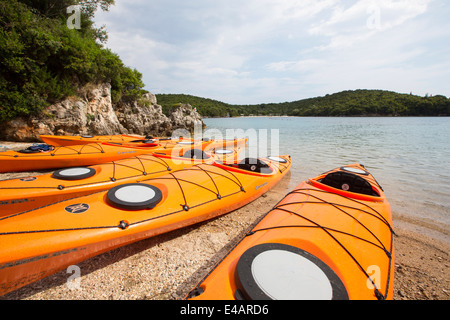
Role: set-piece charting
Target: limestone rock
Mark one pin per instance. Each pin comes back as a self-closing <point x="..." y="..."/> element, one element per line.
<point x="185" y="116"/>
<point x="92" y="112"/>
<point x="144" y="117"/>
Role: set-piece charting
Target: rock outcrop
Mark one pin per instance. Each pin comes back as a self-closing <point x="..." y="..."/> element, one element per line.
<point x="93" y="113"/>
<point x="144" y="117"/>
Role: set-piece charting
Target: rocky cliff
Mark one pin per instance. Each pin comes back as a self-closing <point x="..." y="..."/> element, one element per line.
<point x="92" y="112"/>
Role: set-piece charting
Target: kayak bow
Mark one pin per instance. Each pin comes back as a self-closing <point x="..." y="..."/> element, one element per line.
<point x="330" y="238"/>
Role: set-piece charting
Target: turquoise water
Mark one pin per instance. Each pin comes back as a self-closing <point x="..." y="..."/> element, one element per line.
<point x="410" y="157"/>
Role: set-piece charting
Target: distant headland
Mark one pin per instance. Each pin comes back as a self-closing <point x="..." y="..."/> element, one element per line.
<point x="345" y="103"/>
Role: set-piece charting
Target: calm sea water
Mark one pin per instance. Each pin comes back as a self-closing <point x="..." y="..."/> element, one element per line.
<point x="410" y="157"/>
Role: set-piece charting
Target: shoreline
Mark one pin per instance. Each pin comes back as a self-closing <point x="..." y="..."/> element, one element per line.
<point x="168" y="266"/>
<point x="356" y="116"/>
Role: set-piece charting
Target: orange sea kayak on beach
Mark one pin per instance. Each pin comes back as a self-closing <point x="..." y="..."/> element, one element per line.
<point x="40" y="242"/>
<point x="60" y="141"/>
<point x="131" y="140"/>
<point x="50" y="157"/>
<point x="18" y="195"/>
<point x="330" y="238"/>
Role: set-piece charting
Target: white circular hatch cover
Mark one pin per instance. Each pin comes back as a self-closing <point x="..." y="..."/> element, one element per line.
<point x="135" y="196"/>
<point x="284" y="275"/>
<point x="74" y="173"/>
<point x="275" y="271"/>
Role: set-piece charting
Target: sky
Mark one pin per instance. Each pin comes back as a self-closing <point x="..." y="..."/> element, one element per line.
<point x="270" y="51"/>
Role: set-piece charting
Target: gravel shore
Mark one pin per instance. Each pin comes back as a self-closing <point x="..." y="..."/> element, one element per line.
<point x="167" y="267"/>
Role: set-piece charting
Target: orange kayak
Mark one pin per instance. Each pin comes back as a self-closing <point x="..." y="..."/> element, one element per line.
<point x="227" y="153"/>
<point x="83" y="155"/>
<point x="40" y="242"/>
<point x="61" y="141"/>
<point x="28" y="193"/>
<point x="330" y="238"/>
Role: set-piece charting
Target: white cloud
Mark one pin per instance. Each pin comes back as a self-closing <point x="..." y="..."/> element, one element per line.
<point x="257" y="51"/>
<point x="306" y="65"/>
<point x="364" y="18"/>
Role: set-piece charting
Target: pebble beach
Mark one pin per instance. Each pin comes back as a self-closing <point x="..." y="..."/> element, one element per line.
<point x="167" y="267"/>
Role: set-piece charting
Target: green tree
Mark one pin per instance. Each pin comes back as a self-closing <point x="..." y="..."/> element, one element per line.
<point x="42" y="60"/>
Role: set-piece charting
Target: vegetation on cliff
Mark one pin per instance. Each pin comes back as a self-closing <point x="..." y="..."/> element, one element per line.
<point x="42" y="60"/>
<point x="346" y="103"/>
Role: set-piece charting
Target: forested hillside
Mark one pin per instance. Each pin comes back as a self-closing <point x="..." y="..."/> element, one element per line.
<point x="42" y="60"/>
<point x="206" y="107"/>
<point x="346" y="103"/>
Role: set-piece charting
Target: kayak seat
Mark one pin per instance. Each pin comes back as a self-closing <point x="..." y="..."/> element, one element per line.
<point x="195" y="154"/>
<point x="143" y="141"/>
<point x="37" y="148"/>
<point x="254" y="165"/>
<point x="349" y="182"/>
